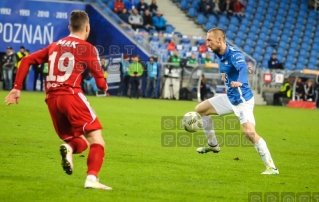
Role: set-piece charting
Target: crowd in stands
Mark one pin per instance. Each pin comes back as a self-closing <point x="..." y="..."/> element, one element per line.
<point x="305" y="90"/>
<point x="132" y="72"/>
<point x="9" y="65"/>
<point x="140" y="15"/>
<point x="217" y="7"/>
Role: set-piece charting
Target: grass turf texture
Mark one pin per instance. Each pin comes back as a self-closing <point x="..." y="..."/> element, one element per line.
<point x="139" y="168"/>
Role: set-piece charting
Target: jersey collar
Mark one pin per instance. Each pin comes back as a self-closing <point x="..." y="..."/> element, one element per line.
<point x="72" y="35"/>
<point x="225" y="55"/>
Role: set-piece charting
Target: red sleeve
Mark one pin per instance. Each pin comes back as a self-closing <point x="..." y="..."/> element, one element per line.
<point x="96" y="70"/>
<point x="38" y="57"/>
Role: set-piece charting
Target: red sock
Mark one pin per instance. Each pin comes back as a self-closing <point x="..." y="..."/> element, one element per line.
<point x="95" y="159"/>
<point x="78" y="145"/>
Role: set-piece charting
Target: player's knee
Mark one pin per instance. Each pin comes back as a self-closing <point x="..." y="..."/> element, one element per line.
<point x="95" y="137"/>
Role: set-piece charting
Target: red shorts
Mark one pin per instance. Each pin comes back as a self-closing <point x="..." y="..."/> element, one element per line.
<point x="72" y="115"/>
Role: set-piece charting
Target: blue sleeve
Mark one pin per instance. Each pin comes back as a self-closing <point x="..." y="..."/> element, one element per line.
<point x="239" y="62"/>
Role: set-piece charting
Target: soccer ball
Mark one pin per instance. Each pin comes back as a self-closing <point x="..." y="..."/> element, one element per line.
<point x="192" y="122"/>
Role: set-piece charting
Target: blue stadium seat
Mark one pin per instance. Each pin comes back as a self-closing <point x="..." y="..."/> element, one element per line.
<point x="258" y="50"/>
<point x="185" y="41"/>
<point x="201" y="19"/>
<point x="264" y="63"/>
<point x="290" y="58"/>
<point x="238" y="41"/>
<point x="249" y="41"/>
<point x="256" y="56"/>
<point x="314" y="54"/>
<point x="110" y="4"/>
<point x="234" y="20"/>
<point x="245" y="22"/>
<point x="229" y="34"/>
<point x="299" y="66"/>
<point x="315" y="47"/>
<point x="195" y="5"/>
<point x="223" y="19"/>
<point x="212" y="18"/>
<point x="232" y="28"/>
<point x="288" y="65"/>
<point x="302" y="53"/>
<point x="200" y="42"/>
<point x="169" y="28"/>
<point x="240" y="35"/>
<point x="184" y="5"/>
<point x="154" y="39"/>
<point x="305" y="46"/>
<point x="260" y="42"/>
<point x="191" y="12"/>
<point x="247" y="49"/>
<point x="208" y="25"/>
<point x="269" y="49"/>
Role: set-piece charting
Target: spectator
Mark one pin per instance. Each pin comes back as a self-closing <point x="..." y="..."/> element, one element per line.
<point x="274" y="63"/>
<point x="148" y="20"/>
<point x="8" y="61"/>
<point x="192" y="60"/>
<point x="142" y="6"/>
<point x="152" y="73"/>
<point x="125" y="77"/>
<point x="216" y="7"/>
<point x="135" y="19"/>
<point x="159" y="22"/>
<point x="19" y="55"/>
<point x="175" y="58"/>
<point x="239" y="7"/>
<point x="202" y="48"/>
<point x="130" y="5"/>
<point x="38" y="71"/>
<point x="124" y="15"/>
<point x="118" y="6"/>
<point x="300" y="91"/>
<point x="153" y="7"/>
<point x="90" y="85"/>
<point x="207" y="10"/>
<point x="105" y="67"/>
<point x="171" y="46"/>
<point x="135" y="71"/>
<point x="202" y="6"/>
<point x="284" y="92"/>
<point x="309" y="91"/>
<point x="203" y="89"/>
<point x="207" y="59"/>
<point x="227" y="8"/>
<point x="45" y="71"/>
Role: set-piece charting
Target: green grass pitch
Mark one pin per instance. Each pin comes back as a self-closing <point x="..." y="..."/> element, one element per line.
<point x="139" y="168"/>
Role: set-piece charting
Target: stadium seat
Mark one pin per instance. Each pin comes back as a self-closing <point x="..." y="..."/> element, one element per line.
<point x="184" y="5"/>
<point x="208" y="25"/>
<point x="169" y="28"/>
<point x="201" y="19"/>
<point x="191" y="12"/>
<point x="256" y="56"/>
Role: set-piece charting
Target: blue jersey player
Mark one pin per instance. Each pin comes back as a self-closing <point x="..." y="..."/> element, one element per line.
<point x="239" y="98"/>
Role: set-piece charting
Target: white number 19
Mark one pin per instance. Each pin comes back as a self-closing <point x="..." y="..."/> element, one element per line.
<point x="61" y="66"/>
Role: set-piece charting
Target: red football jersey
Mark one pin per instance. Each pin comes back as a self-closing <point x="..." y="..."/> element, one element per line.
<point x="67" y="59"/>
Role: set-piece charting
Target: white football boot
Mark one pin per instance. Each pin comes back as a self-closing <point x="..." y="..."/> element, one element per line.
<point x="66" y="154"/>
<point x="271" y="171"/>
<point x="203" y="150"/>
<point x="92" y="182"/>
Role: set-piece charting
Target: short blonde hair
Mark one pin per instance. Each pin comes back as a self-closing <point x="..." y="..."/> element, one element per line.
<point x="218" y="32"/>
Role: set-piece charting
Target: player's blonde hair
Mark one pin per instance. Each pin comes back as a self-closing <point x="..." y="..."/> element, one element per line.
<point x="78" y="20"/>
<point x="218" y="32"/>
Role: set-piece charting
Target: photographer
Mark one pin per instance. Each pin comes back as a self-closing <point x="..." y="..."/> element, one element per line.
<point x="9" y="60"/>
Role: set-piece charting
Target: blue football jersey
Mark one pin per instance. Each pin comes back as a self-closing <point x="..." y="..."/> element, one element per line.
<point x="233" y="67"/>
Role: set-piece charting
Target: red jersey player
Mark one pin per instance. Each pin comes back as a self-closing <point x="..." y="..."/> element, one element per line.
<point x="74" y="120"/>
